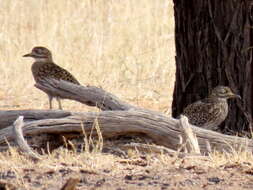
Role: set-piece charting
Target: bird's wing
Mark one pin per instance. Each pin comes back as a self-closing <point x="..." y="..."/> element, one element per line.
<point x="201" y="112"/>
<point x="57" y="72"/>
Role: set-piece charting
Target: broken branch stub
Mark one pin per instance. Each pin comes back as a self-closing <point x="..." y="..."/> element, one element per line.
<point x="189" y="138"/>
<point x="19" y="139"/>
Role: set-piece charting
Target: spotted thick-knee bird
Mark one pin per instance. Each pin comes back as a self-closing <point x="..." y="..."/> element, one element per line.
<point x="210" y="112"/>
<point x="44" y="67"/>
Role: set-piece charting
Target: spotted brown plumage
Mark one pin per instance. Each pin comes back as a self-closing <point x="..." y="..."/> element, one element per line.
<point x="44" y="67"/>
<point x="210" y="112"/>
<point x="42" y="70"/>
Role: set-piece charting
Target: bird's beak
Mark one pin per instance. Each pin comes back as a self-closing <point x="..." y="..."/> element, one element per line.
<point x="28" y="55"/>
<point x="235" y="96"/>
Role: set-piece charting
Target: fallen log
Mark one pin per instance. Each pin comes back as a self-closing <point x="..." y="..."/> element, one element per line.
<point x="124" y="119"/>
<point x="89" y="95"/>
<point x="7" y="118"/>
<point x="161" y="128"/>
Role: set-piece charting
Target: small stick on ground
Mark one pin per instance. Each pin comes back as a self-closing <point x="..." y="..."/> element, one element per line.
<point x="70" y="184"/>
<point x="20" y="140"/>
<point x="160" y="149"/>
<point x="7" y="186"/>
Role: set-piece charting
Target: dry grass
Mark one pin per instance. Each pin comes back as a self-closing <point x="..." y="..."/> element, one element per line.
<point x="152" y="171"/>
<point x="125" y="47"/>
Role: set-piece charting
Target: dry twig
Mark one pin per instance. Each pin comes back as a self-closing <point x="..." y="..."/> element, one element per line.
<point x="70" y="184"/>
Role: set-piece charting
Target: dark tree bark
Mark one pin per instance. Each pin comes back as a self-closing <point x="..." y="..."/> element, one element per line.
<point x="213" y="40"/>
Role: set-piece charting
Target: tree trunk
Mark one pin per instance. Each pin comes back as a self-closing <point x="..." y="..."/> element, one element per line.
<point x="213" y="40"/>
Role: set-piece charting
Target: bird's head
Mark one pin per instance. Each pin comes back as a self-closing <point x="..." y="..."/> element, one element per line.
<point x="40" y="54"/>
<point x="223" y="92"/>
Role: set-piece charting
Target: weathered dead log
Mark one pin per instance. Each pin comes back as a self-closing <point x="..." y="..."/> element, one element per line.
<point x="7" y="118"/>
<point x="89" y="95"/>
<point x="162" y="129"/>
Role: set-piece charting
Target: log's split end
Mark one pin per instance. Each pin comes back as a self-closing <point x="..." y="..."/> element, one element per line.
<point x="189" y="138"/>
<point x="20" y="140"/>
<point x="19" y="123"/>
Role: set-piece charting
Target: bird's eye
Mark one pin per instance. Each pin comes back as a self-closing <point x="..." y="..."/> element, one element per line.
<point x="38" y="51"/>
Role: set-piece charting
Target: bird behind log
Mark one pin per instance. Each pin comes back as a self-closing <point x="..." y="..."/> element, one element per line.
<point x="210" y="112"/>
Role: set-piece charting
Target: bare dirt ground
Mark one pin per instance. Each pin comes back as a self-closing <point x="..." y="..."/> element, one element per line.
<point x="139" y="171"/>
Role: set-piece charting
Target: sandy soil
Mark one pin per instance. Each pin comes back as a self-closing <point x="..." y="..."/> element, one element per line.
<point x="128" y="170"/>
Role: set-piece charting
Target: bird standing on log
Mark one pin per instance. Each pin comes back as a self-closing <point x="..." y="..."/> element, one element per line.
<point x="44" y="68"/>
<point x="210" y="112"/>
